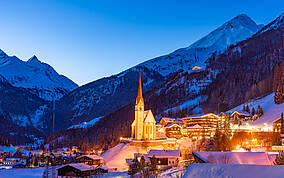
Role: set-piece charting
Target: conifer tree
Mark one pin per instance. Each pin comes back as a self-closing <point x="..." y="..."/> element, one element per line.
<point x="247" y="109"/>
<point x="253" y="111"/>
<point x="259" y="110"/>
<point x="279" y="160"/>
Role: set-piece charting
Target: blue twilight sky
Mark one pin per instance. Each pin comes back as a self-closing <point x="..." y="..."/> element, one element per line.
<point x="87" y="40"/>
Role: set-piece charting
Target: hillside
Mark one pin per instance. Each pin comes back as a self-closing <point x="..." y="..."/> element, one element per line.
<point x="271" y="111"/>
<point x="24" y="116"/>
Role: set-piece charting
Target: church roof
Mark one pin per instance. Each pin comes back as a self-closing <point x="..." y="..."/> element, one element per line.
<point x="149" y="117"/>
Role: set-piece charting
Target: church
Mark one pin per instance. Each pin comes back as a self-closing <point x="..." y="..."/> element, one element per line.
<point x="144" y="125"/>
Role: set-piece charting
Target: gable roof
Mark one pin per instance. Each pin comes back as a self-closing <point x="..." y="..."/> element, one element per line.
<point x="244" y="113"/>
<point x="91" y="156"/>
<point x="196" y="126"/>
<point x="202" y="115"/>
<point x="149" y="117"/>
<point x="277" y="120"/>
<point x="258" y="158"/>
<point x="167" y="119"/>
<point x="171" y="125"/>
<point x="79" y="166"/>
<point x="233" y="170"/>
<point x="164" y="153"/>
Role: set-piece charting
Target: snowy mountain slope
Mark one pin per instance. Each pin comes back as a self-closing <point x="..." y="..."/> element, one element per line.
<point x="273" y="25"/>
<point x="109" y="94"/>
<point x="39" y="77"/>
<point x="23" y="115"/>
<point x="106" y="95"/>
<point x="237" y="29"/>
<point x="271" y="111"/>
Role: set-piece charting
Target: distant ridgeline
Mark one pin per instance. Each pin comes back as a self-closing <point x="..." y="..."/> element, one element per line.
<point x="279" y="83"/>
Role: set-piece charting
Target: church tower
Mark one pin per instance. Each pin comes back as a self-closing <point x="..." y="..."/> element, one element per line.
<point x="137" y="131"/>
<point x="144" y="125"/>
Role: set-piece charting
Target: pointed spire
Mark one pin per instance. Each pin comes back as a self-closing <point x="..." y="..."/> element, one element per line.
<point x="139" y="94"/>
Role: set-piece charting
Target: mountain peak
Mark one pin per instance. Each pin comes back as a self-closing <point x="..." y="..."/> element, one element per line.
<point x="34" y="60"/>
<point x="237" y="29"/>
<point x="242" y="20"/>
<point x="2" y="54"/>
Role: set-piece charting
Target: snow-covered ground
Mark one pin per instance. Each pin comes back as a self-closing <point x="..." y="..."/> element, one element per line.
<point x="172" y="173"/>
<point x="271" y="110"/>
<point x="116" y="156"/>
<point x="22" y="173"/>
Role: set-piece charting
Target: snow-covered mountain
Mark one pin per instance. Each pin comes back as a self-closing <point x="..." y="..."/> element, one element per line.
<point x="237" y="29"/>
<point x="40" y="78"/>
<point x="106" y="95"/>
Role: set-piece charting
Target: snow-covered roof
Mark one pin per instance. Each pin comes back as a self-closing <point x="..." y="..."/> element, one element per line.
<point x="241" y="113"/>
<point x="91" y="156"/>
<point x="164" y="153"/>
<point x="171" y="125"/>
<point x="276" y="120"/>
<point x="167" y="119"/>
<point x="233" y="170"/>
<point x="258" y="158"/>
<point x="79" y="166"/>
<point x="203" y="115"/>
<point x="197" y="126"/>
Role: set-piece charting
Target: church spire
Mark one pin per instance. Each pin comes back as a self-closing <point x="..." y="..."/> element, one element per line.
<point x="139" y="94"/>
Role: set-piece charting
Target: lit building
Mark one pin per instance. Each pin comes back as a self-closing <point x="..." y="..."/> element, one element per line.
<point x="277" y="124"/>
<point x="144" y="125"/>
<point x="173" y="131"/>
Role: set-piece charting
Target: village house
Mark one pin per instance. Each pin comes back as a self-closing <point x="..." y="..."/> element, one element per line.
<point x="241" y="115"/>
<point x="165" y="158"/>
<point x="91" y="160"/>
<point x="173" y="131"/>
<point x="277" y="124"/>
<point x="162" y="158"/>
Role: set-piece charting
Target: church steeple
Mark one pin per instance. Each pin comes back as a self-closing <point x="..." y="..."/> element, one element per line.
<point x="139" y="98"/>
